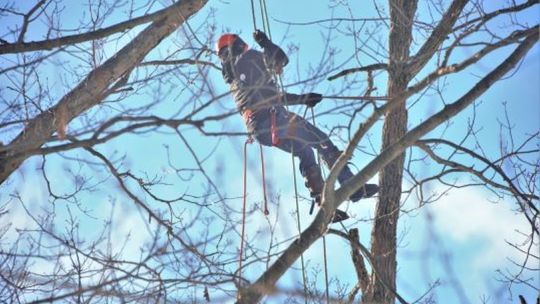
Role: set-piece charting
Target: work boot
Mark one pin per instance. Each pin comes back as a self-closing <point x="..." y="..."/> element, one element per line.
<point x="315" y="183"/>
<point x="331" y="156"/>
<point x="339" y="216"/>
<point x="330" y="159"/>
<point x="368" y="190"/>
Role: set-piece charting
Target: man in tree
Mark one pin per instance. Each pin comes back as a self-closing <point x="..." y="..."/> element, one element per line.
<point x="258" y="99"/>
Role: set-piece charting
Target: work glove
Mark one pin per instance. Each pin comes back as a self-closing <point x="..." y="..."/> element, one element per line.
<point x="261" y="38"/>
<point x="313" y="99"/>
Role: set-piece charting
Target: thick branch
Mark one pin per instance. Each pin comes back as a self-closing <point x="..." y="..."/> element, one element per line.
<point x="95" y="87"/>
<point x="358" y="262"/>
<point x="22" y="47"/>
<point x="491" y="15"/>
<point x="27" y="21"/>
<point x="454" y="68"/>
<point x="437" y="37"/>
<point x="352" y="237"/>
<point x="348" y="152"/>
<point x="368" y="68"/>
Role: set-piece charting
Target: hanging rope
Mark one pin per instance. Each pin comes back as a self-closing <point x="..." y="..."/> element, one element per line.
<point x="265" y="211"/>
<point x="325" y="258"/>
<point x="242" y="233"/>
<point x="299" y="226"/>
<point x="266" y="28"/>
<point x="253" y="15"/>
<point x="244" y="200"/>
<point x="298" y="223"/>
<point x="325" y="270"/>
<point x="266" y="20"/>
<point x="265" y="200"/>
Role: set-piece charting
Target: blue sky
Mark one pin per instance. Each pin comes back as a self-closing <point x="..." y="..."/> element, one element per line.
<point x="464" y="233"/>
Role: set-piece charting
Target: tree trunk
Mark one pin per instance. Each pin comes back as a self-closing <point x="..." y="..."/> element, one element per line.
<point x="383" y="239"/>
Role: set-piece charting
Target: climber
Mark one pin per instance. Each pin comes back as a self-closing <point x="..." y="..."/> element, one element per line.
<point x="259" y="100"/>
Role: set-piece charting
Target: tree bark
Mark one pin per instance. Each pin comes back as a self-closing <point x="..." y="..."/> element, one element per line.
<point x="383" y="239"/>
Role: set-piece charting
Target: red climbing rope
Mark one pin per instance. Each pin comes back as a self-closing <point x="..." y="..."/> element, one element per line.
<point x="273" y="127"/>
<point x="248" y="141"/>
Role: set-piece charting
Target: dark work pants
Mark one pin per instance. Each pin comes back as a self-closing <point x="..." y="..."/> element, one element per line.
<point x="299" y="137"/>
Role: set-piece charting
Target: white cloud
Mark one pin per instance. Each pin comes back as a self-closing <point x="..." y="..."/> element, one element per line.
<point x="467" y="216"/>
<point x="32" y="194"/>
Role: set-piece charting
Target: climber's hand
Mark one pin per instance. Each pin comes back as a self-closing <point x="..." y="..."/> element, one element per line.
<point x="261" y="38"/>
<point x="313" y="99"/>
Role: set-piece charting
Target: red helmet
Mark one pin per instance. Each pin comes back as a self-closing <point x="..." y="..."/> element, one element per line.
<point x="233" y="41"/>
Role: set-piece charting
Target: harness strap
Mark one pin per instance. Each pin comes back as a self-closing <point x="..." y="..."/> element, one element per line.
<point x="246" y="114"/>
<point x="274" y="128"/>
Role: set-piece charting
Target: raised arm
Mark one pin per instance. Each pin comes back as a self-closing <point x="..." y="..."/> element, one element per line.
<point x="274" y="57"/>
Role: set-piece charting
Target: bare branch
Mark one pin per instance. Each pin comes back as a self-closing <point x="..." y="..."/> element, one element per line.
<point x="368" y="68"/>
<point x="486" y="17"/>
<point x="356" y="245"/>
<point x="26" y="20"/>
<point x="454" y="68"/>
<point x="95" y="87"/>
<point x="358" y="262"/>
<point x="446" y="113"/>
<point x="49" y="44"/>
<point x="437" y="37"/>
<point x="179" y="62"/>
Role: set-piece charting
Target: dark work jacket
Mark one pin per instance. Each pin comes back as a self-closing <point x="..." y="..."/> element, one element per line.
<point x="253" y="87"/>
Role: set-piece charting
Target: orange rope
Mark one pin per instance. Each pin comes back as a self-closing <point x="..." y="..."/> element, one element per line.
<point x="244" y="200"/>
<point x="248" y="141"/>
<point x="274" y="128"/>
